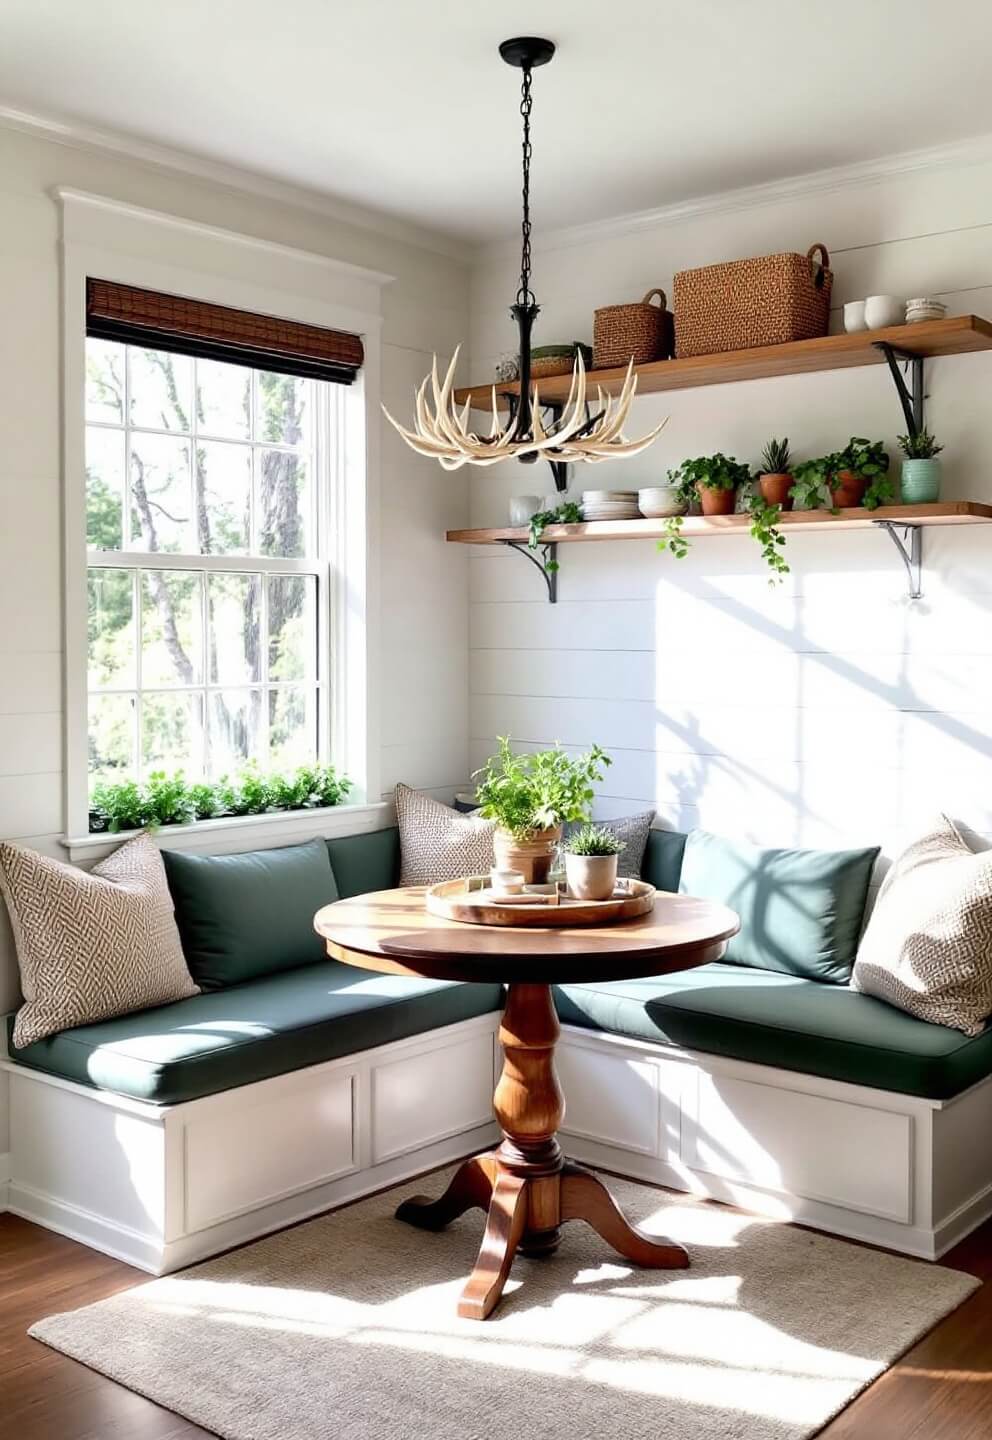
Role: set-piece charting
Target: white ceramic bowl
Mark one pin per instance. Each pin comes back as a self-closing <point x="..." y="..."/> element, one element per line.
<point x="854" y="316"/>
<point x="884" y="310"/>
<point x="522" y="507"/>
<point x="657" y="501"/>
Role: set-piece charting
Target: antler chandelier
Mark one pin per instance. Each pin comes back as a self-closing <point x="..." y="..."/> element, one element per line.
<point x="442" y="430"/>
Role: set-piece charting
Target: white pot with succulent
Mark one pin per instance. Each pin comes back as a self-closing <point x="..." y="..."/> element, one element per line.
<point x="591" y="857"/>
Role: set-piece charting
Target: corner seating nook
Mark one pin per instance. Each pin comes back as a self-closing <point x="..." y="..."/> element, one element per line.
<point x="169" y="1135"/>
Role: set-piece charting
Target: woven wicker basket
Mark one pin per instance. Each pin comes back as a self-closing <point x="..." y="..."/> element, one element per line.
<point x="642" y="332"/>
<point x="547" y="360"/>
<point x="769" y="300"/>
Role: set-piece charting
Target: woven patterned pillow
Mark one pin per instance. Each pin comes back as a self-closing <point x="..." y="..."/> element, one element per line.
<point x="91" y="945"/>
<point x="927" y="948"/>
<point x="438" y="843"/>
<point x="632" y="831"/>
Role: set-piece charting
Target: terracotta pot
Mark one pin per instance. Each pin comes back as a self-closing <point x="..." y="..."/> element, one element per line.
<point x="532" y="854"/>
<point x="716" y="502"/>
<point x="775" y="490"/>
<point x="849" y="490"/>
<point x="591" y="877"/>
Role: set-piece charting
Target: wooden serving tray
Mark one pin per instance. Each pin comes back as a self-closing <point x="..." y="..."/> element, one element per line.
<point x="471" y="900"/>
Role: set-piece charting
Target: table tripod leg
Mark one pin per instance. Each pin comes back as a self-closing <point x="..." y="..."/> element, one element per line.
<point x="471" y="1187"/>
<point x="585" y="1197"/>
<point x="504" y="1227"/>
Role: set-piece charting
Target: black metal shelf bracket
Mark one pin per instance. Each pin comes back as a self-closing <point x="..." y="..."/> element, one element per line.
<point x="548" y="566"/>
<point x="910" y="548"/>
<point x="911" y="400"/>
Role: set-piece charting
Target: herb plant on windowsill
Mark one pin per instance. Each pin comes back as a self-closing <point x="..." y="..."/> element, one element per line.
<point x="531" y="796"/>
<point x="169" y="800"/>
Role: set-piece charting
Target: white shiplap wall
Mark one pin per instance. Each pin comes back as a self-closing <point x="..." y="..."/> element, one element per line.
<point x="423" y="720"/>
<point x="825" y="712"/>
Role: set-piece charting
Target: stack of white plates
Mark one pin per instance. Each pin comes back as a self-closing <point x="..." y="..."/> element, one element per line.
<point x="610" y="505"/>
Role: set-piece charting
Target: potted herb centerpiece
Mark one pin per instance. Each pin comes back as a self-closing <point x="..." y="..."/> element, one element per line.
<point x="531" y="796"/>
<point x="920" y="480"/>
<point x="591" y="856"/>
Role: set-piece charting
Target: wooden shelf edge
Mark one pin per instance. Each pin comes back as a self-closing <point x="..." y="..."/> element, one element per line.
<point x="954" y="335"/>
<point x="950" y="512"/>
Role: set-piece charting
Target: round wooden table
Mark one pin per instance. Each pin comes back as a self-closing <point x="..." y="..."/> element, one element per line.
<point x="526" y="1185"/>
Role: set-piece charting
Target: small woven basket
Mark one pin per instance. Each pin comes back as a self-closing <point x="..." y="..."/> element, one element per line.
<point x="641" y="332"/>
<point x="547" y="360"/>
<point x="770" y="300"/>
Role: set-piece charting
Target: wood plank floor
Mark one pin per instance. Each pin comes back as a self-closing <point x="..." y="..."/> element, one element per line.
<point x="940" y="1390"/>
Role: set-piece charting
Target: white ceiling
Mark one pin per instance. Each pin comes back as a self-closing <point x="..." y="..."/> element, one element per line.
<point x="404" y="105"/>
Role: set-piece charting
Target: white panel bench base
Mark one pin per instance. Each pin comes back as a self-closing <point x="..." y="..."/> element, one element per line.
<point x="910" y="1174"/>
<point x="163" y="1186"/>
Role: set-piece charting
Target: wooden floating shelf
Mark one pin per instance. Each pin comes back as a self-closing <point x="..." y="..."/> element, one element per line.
<point x="951" y="512"/>
<point x="952" y="336"/>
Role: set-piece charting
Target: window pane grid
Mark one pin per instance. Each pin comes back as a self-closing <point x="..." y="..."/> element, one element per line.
<point x="255" y="689"/>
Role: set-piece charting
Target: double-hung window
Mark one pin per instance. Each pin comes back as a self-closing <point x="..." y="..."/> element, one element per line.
<point x="209" y="489"/>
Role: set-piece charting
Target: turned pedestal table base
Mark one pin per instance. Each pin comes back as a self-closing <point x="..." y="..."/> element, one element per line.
<point x="526" y="1185"/>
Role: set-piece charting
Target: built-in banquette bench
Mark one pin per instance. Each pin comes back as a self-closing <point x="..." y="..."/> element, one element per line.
<point x="168" y="1135"/>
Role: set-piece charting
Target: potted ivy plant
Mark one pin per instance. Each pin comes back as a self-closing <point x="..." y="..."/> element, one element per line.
<point x="920" y="479"/>
<point x="531" y="796"/>
<point x="591" y="856"/>
<point x="846" y="479"/>
<point x="862" y="478"/>
<point x="713" y="480"/>
<point x="775" y="478"/>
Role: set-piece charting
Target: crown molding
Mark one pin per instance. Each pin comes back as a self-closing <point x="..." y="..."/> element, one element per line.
<point x="232" y="177"/>
<point x="68" y="197"/>
<point x="974" y="151"/>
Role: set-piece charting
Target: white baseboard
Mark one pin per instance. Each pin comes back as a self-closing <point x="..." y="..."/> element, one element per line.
<point x="4" y="1180"/>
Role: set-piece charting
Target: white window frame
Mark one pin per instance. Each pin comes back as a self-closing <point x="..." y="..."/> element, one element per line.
<point x="324" y="461"/>
<point x="114" y="241"/>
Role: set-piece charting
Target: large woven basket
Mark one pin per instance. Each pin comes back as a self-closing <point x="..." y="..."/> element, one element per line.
<point x="641" y="332"/>
<point x="769" y="300"/>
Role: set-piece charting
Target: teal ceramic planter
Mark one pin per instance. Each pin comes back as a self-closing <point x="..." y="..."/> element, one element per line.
<point x="920" y="482"/>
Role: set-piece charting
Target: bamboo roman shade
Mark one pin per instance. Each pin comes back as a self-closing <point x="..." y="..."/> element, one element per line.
<point x="218" y="332"/>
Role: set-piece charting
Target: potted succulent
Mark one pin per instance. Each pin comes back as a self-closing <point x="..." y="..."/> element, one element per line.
<point x="591" y="856"/>
<point x="775" y="478"/>
<point x="531" y="796"/>
<point x="920" y="480"/>
<point x="849" y="478"/>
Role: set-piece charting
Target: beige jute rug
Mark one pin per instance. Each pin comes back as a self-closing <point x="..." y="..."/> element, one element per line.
<point x="345" y="1329"/>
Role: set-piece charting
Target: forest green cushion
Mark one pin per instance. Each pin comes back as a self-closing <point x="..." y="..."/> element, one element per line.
<point x="662" y="864"/>
<point x="242" y="916"/>
<point x="801" y="910"/>
<point x="366" y="862"/>
<point x="785" y="1021"/>
<point x="226" y="1038"/>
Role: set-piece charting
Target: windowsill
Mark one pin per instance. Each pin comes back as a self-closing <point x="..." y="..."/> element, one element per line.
<point x="239" y="832"/>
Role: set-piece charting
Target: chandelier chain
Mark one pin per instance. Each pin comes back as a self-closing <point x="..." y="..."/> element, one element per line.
<point x="525" y="295"/>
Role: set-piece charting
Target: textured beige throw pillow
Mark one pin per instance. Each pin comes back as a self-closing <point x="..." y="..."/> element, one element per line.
<point x="928" y="945"/>
<point x="94" y="944"/>
<point x="438" y="843"/>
